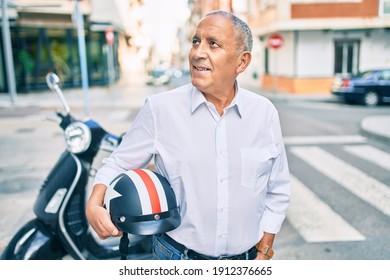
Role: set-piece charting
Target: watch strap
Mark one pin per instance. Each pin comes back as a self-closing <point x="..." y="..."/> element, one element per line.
<point x="265" y="249"/>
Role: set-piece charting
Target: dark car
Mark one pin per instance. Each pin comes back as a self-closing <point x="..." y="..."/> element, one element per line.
<point x="369" y="87"/>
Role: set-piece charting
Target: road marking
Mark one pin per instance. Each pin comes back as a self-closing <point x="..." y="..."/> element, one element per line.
<point x="325" y="139"/>
<point x="315" y="220"/>
<point x="365" y="187"/>
<point x="370" y="154"/>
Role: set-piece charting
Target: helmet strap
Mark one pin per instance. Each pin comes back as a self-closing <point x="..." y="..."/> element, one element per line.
<point x="124" y="246"/>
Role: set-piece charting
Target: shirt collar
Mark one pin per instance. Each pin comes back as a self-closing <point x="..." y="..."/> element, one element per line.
<point x="198" y="98"/>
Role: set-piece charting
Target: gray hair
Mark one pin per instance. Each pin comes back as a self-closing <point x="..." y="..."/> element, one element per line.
<point x="242" y="30"/>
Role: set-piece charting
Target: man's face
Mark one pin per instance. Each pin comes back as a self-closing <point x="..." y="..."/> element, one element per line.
<point x="213" y="57"/>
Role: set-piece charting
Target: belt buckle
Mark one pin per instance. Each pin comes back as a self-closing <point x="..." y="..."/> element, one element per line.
<point x="227" y="257"/>
<point x="244" y="256"/>
<point x="185" y="254"/>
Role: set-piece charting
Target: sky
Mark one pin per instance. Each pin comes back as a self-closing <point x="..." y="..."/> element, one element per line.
<point x="161" y="19"/>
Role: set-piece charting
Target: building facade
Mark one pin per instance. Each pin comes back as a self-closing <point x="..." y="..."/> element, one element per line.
<point x="321" y="39"/>
<point x="44" y="38"/>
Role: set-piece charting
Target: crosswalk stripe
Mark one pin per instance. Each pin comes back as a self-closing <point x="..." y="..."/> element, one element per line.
<point x="365" y="187"/>
<point x="324" y="139"/>
<point x="370" y="154"/>
<point x="315" y="220"/>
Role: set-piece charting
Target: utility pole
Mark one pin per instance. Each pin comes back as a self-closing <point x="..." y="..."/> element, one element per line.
<point x="8" y="56"/>
<point x="78" y="17"/>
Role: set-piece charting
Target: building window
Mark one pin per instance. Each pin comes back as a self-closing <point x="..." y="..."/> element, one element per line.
<point x="346" y="57"/>
<point x="385" y="76"/>
<point x="384" y="8"/>
<point x="40" y="50"/>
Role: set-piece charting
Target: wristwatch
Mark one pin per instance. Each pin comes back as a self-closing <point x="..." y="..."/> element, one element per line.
<point x="265" y="249"/>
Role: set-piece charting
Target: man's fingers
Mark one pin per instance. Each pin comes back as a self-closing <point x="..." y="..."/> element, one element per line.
<point x="108" y="226"/>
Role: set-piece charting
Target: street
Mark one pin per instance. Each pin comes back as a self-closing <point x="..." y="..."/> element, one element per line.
<point x="340" y="179"/>
<point x="340" y="206"/>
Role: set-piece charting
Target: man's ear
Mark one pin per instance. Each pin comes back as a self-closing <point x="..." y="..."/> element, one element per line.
<point x="243" y="61"/>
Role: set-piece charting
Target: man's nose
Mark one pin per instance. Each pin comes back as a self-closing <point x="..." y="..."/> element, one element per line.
<point x="200" y="51"/>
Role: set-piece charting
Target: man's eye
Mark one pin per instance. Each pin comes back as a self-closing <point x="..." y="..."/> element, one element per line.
<point x="195" y="41"/>
<point x="214" y="44"/>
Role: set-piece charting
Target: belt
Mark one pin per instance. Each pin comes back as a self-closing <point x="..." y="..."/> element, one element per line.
<point x="191" y="254"/>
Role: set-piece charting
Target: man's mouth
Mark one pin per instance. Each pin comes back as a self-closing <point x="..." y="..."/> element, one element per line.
<point x="202" y="68"/>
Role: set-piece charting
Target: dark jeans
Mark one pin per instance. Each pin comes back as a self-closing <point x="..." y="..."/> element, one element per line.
<point x="162" y="250"/>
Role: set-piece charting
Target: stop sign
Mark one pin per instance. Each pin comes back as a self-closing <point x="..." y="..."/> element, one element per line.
<point x="109" y="36"/>
<point x="275" y="41"/>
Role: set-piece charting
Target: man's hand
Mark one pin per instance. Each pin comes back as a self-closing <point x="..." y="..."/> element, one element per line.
<point x="268" y="239"/>
<point x="261" y="256"/>
<point x="98" y="216"/>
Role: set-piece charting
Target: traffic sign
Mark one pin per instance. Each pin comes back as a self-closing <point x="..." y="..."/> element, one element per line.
<point x="109" y="36"/>
<point x="275" y="41"/>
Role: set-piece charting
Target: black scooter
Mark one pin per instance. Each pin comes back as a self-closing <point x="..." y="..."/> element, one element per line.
<point x="60" y="229"/>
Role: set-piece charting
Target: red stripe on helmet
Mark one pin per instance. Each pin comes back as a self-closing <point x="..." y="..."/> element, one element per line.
<point x="151" y="188"/>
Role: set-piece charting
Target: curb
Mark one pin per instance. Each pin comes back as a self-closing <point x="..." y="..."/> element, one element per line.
<point x="377" y="127"/>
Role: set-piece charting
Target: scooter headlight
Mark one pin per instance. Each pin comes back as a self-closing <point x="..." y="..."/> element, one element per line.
<point x="77" y="137"/>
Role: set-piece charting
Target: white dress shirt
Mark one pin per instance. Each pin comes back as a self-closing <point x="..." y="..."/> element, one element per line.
<point x="229" y="173"/>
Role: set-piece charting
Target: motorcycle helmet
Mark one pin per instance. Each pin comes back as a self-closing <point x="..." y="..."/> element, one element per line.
<point x="142" y="202"/>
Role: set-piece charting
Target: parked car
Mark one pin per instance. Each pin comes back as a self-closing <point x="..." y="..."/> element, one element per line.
<point x="162" y="75"/>
<point x="158" y="77"/>
<point x="369" y="87"/>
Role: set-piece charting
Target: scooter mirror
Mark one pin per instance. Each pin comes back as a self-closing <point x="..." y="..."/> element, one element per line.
<point x="52" y="80"/>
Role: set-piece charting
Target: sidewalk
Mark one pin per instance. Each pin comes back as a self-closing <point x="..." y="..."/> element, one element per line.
<point x="377" y="127"/>
<point x="123" y="94"/>
<point x="131" y="94"/>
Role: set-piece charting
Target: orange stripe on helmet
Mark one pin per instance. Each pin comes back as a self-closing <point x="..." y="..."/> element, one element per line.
<point x="151" y="188"/>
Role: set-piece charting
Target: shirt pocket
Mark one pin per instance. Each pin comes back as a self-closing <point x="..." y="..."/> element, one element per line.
<point x="256" y="165"/>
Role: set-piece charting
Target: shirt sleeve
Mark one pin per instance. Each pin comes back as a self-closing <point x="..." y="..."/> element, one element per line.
<point x="135" y="151"/>
<point x="279" y="188"/>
